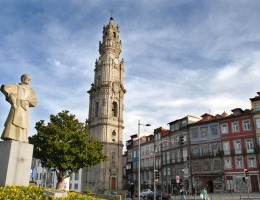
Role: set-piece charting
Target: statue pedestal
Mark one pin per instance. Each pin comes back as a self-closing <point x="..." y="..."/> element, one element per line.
<point x="15" y="162"/>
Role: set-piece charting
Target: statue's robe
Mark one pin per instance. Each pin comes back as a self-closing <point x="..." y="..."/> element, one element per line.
<point x="16" y="125"/>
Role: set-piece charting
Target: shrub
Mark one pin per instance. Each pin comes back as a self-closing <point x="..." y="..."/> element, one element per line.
<point x="36" y="193"/>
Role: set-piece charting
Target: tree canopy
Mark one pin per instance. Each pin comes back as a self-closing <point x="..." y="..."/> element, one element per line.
<point x="63" y="145"/>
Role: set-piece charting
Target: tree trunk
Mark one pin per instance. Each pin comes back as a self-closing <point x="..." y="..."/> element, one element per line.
<point x="59" y="185"/>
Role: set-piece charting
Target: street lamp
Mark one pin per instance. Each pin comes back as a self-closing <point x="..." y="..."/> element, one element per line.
<point x="154" y="170"/>
<point x="139" y="157"/>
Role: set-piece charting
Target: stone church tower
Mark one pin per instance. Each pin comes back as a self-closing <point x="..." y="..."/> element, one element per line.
<point x="106" y="104"/>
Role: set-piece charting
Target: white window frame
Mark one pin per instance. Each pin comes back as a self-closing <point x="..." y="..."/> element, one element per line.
<point x="238" y="146"/>
<point x="246" y="125"/>
<point x="235" y="127"/>
<point x="228" y="163"/>
<point x="251" y="161"/>
<point x="226" y="148"/>
<point x="239" y="162"/>
<point x="257" y="106"/>
<point x="249" y="146"/>
<point x="224" y="128"/>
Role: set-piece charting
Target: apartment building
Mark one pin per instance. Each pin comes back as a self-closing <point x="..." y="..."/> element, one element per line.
<point x="175" y="157"/>
<point x="239" y="151"/>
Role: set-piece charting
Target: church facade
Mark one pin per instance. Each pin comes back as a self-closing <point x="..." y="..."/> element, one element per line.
<point x="106" y="105"/>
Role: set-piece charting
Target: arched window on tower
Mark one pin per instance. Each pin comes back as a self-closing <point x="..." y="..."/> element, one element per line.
<point x="114" y="34"/>
<point x="114" y="109"/>
<point x="114" y="133"/>
<point x="96" y="109"/>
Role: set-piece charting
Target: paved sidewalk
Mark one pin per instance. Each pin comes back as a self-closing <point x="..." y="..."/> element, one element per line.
<point x="224" y="196"/>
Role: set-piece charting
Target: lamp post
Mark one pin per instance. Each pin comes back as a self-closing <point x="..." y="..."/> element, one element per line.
<point x="139" y="157"/>
<point x="154" y="182"/>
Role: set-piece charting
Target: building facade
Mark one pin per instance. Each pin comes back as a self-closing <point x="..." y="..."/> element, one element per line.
<point x="218" y="152"/>
<point x="239" y="151"/>
<point x="106" y="103"/>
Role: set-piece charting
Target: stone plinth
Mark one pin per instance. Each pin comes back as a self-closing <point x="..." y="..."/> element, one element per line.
<point x="15" y="162"/>
<point x="55" y="193"/>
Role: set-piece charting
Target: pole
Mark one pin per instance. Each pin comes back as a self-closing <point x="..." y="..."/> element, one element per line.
<point x="154" y="183"/>
<point x="139" y="161"/>
<point x="248" y="184"/>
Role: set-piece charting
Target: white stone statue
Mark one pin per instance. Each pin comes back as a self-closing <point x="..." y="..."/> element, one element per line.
<point x="21" y="97"/>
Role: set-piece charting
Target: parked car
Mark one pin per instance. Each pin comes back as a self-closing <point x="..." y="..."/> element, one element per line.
<point x="145" y="192"/>
<point x="160" y="195"/>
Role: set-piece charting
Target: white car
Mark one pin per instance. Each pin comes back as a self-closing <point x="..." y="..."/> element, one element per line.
<point x="145" y="192"/>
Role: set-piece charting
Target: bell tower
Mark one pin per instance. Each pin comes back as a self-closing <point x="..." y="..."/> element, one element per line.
<point x="106" y="104"/>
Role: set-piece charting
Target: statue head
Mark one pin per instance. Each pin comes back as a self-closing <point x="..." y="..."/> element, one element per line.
<point x="25" y="79"/>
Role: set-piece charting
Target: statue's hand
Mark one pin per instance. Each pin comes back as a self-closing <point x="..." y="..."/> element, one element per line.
<point x="25" y="105"/>
<point x="12" y="100"/>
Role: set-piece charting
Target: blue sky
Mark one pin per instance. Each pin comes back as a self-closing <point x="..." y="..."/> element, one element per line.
<point x="182" y="57"/>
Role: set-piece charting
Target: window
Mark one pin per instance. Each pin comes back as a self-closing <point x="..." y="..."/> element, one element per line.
<point x="151" y="149"/>
<point x="239" y="162"/>
<point x="257" y="106"/>
<point x="197" y="166"/>
<point x="113" y="133"/>
<point x="76" y="176"/>
<point x="216" y="164"/>
<point x="168" y="157"/>
<point x="237" y="145"/>
<point x="224" y="128"/>
<point x="257" y="123"/>
<point x="172" y="127"/>
<point x="249" y="146"/>
<point x="164" y="158"/>
<point x="194" y="132"/>
<point x="114" y="109"/>
<point x="214" y="129"/>
<point x="185" y="154"/>
<point x="215" y="148"/>
<point x="235" y="127"/>
<point x="205" y="149"/>
<point x="129" y="155"/>
<point x="226" y="148"/>
<point x="96" y="113"/>
<point x="146" y="162"/>
<point x="169" y="171"/>
<point x="251" y="161"/>
<point x="204" y="131"/>
<point x="76" y="186"/>
<point x="206" y="165"/>
<point x="227" y="163"/>
<point x="246" y="125"/>
<point x="195" y="150"/>
<point x="173" y="156"/>
<point x="147" y="150"/>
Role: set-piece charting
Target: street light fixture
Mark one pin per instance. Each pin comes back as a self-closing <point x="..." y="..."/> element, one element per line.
<point x="139" y="157"/>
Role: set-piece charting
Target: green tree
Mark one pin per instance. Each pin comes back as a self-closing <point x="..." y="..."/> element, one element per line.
<point x="63" y="145"/>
